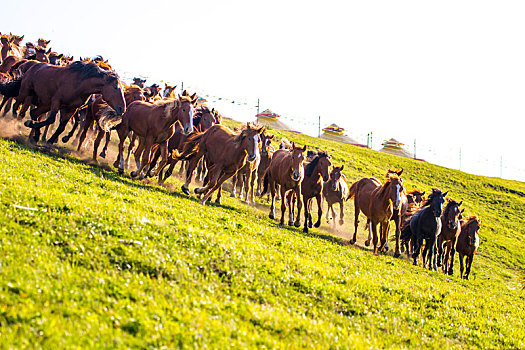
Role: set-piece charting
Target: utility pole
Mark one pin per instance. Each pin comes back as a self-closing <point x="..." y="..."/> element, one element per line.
<point x="319" y="133"/>
<point x="182" y="86"/>
<point x="501" y="167"/>
<point x="257" y="116"/>
<point x="459" y="159"/>
<point x="415" y="149"/>
<point x="371" y="139"/>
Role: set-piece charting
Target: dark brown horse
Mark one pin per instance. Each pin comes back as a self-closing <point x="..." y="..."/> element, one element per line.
<point x="467" y="243"/>
<point x="316" y="172"/>
<point x="450" y="229"/>
<point x="226" y="151"/>
<point x="153" y="124"/>
<point x="267" y="151"/>
<point x="139" y="82"/>
<point x="378" y="202"/>
<point x="287" y="171"/>
<point x="335" y="190"/>
<point x="43" y="43"/>
<point x="64" y="89"/>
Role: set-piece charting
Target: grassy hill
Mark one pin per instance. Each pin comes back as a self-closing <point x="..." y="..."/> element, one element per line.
<point x="90" y="258"/>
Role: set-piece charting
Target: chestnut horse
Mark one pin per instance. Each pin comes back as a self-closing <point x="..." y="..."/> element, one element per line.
<point x="286" y="169"/>
<point x="378" y="202"/>
<point x="153" y="124"/>
<point x="468" y="243"/>
<point x="226" y="151"/>
<point x="9" y="48"/>
<point x="267" y="151"/>
<point x="316" y="172"/>
<point x="450" y="229"/>
<point x="52" y="88"/>
<point x="335" y="190"/>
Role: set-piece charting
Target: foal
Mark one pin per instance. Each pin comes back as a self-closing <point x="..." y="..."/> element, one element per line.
<point x="450" y="229"/>
<point x="468" y="243"/>
<point x="335" y="190"/>
<point x="315" y="173"/>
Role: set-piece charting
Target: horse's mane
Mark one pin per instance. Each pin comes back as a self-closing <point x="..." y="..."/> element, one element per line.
<point x="309" y="168"/>
<point x="471" y="219"/>
<point x="91" y="70"/>
<point x="435" y="192"/>
<point x="416" y="191"/>
<point x="243" y="130"/>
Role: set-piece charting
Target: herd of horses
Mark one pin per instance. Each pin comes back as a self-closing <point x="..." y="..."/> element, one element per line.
<point x="172" y="128"/>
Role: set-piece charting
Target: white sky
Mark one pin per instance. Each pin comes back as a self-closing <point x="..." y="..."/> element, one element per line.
<point x="449" y="73"/>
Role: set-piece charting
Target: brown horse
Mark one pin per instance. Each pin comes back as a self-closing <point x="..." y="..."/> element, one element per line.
<point x="52" y="88"/>
<point x="335" y="190"/>
<point x="378" y="202"/>
<point x="153" y="124"/>
<point x="267" y="151"/>
<point x="9" y="48"/>
<point x="467" y="243"/>
<point x="168" y="91"/>
<point x="286" y="169"/>
<point x="139" y="82"/>
<point x="450" y="229"/>
<point x="103" y="117"/>
<point x="316" y="172"/>
<point x="43" y="43"/>
<point x="226" y="151"/>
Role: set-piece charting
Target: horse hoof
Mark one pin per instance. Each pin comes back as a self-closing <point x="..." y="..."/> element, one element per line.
<point x="297" y="224"/>
<point x="121" y="171"/>
<point x="397" y="254"/>
<point x="451" y="272"/>
<point x="305" y="229"/>
<point x="133" y="174"/>
<point x="352" y="241"/>
<point x="28" y="123"/>
<point x="367" y="243"/>
<point x="258" y="193"/>
<point x="272" y="216"/>
<point x="185" y="190"/>
<point x="233" y="195"/>
<point x="341" y="222"/>
<point x="103" y="155"/>
<point x="203" y="203"/>
<point x="197" y="190"/>
<point x="415" y="263"/>
<point x="290" y="223"/>
<point x="65" y="139"/>
<point x="218" y="201"/>
<point x="310" y="225"/>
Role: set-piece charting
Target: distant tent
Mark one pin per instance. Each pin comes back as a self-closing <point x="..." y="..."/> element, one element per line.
<point x="395" y="147"/>
<point x="272" y="120"/>
<point x="336" y="133"/>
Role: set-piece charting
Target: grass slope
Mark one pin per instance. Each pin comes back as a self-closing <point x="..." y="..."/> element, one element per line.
<point x="106" y="261"/>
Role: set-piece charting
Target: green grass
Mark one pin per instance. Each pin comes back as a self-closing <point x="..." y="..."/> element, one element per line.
<point x="106" y="261"/>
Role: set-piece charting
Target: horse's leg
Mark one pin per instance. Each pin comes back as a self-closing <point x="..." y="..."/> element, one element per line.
<point x="82" y="117"/>
<point x="132" y="138"/>
<point x="182" y="167"/>
<point x="445" y="257"/>
<point x="272" y="193"/>
<point x="299" y="206"/>
<point x="105" y="149"/>
<point x="138" y="153"/>
<point x="288" y="201"/>
<point x="318" y="199"/>
<point x="440" y="250"/>
<point x="163" y="149"/>
<point x="168" y="172"/>
<point x="450" y="270"/>
<point x="433" y="255"/>
<point x="252" y="186"/>
<point x="85" y="127"/>
<point x="6" y="104"/>
<point x="153" y="163"/>
<point x="122" y="132"/>
<point x="235" y="178"/>
<point x="329" y="207"/>
<point x="218" y="183"/>
<point x="144" y="162"/>
<point x="373" y="226"/>
<point x="461" y="264"/>
<point x="306" y="202"/>
<point x="96" y="143"/>
<point x="417" y="243"/>
<point x="341" y="213"/>
<point x="283" y="205"/>
<point x="191" y="169"/>
<point x="75" y="126"/>
<point x="219" y="195"/>
<point x="383" y="233"/>
<point x="369" y="225"/>
<point x="470" y="258"/>
<point x="356" y="221"/>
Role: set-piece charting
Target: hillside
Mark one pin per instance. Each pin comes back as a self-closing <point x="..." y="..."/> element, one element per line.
<point x="90" y="258"/>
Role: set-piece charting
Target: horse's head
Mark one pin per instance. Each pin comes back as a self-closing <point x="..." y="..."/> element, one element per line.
<point x="297" y="162"/>
<point x="435" y="201"/>
<point x="266" y="143"/>
<point x="17" y="39"/>
<point x="113" y="92"/>
<point x="139" y="82"/>
<point x="6" y="40"/>
<point x="335" y="176"/>
<point x="168" y="91"/>
<point x="416" y="196"/>
<point x="452" y="214"/>
<point x="471" y="227"/>
<point x="43" y="43"/>
<point x="54" y="58"/>
<point x="395" y="184"/>
<point x="133" y="93"/>
<point x="310" y="155"/>
<point x="186" y="105"/>
<point x="41" y="55"/>
<point x="320" y="163"/>
<point x="249" y="140"/>
<point x="205" y="118"/>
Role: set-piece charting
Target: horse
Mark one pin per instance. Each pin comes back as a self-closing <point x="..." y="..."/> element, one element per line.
<point x="467" y="243"/>
<point x="286" y="169"/>
<point x="9" y="48"/>
<point x="139" y="82"/>
<point x="153" y="124"/>
<point x="378" y="202"/>
<point x="168" y="91"/>
<point x="335" y="190"/>
<point x="152" y="92"/>
<point x="267" y="151"/>
<point x="316" y="172"/>
<point x="52" y="88"/>
<point x="426" y="225"/>
<point x="226" y="151"/>
<point x="43" y="43"/>
<point x="248" y="174"/>
<point x="450" y="229"/>
<point x="104" y="118"/>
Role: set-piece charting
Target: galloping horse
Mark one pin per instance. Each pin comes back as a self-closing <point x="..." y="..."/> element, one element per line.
<point x="316" y="172"/>
<point x="468" y="243"/>
<point x="426" y="225"/>
<point x="450" y="229"/>
<point x="267" y="151"/>
<point x="153" y="124"/>
<point x="378" y="202"/>
<point x="286" y="170"/>
<point x="225" y="151"/>
<point x="52" y="88"/>
<point x="335" y="190"/>
<point x="9" y="48"/>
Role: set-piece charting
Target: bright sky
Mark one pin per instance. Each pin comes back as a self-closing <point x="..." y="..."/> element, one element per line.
<point x="450" y="74"/>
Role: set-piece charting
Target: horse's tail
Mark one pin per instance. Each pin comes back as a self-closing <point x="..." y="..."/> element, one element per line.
<point x="191" y="147"/>
<point x="352" y="191"/>
<point x="11" y="88"/>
